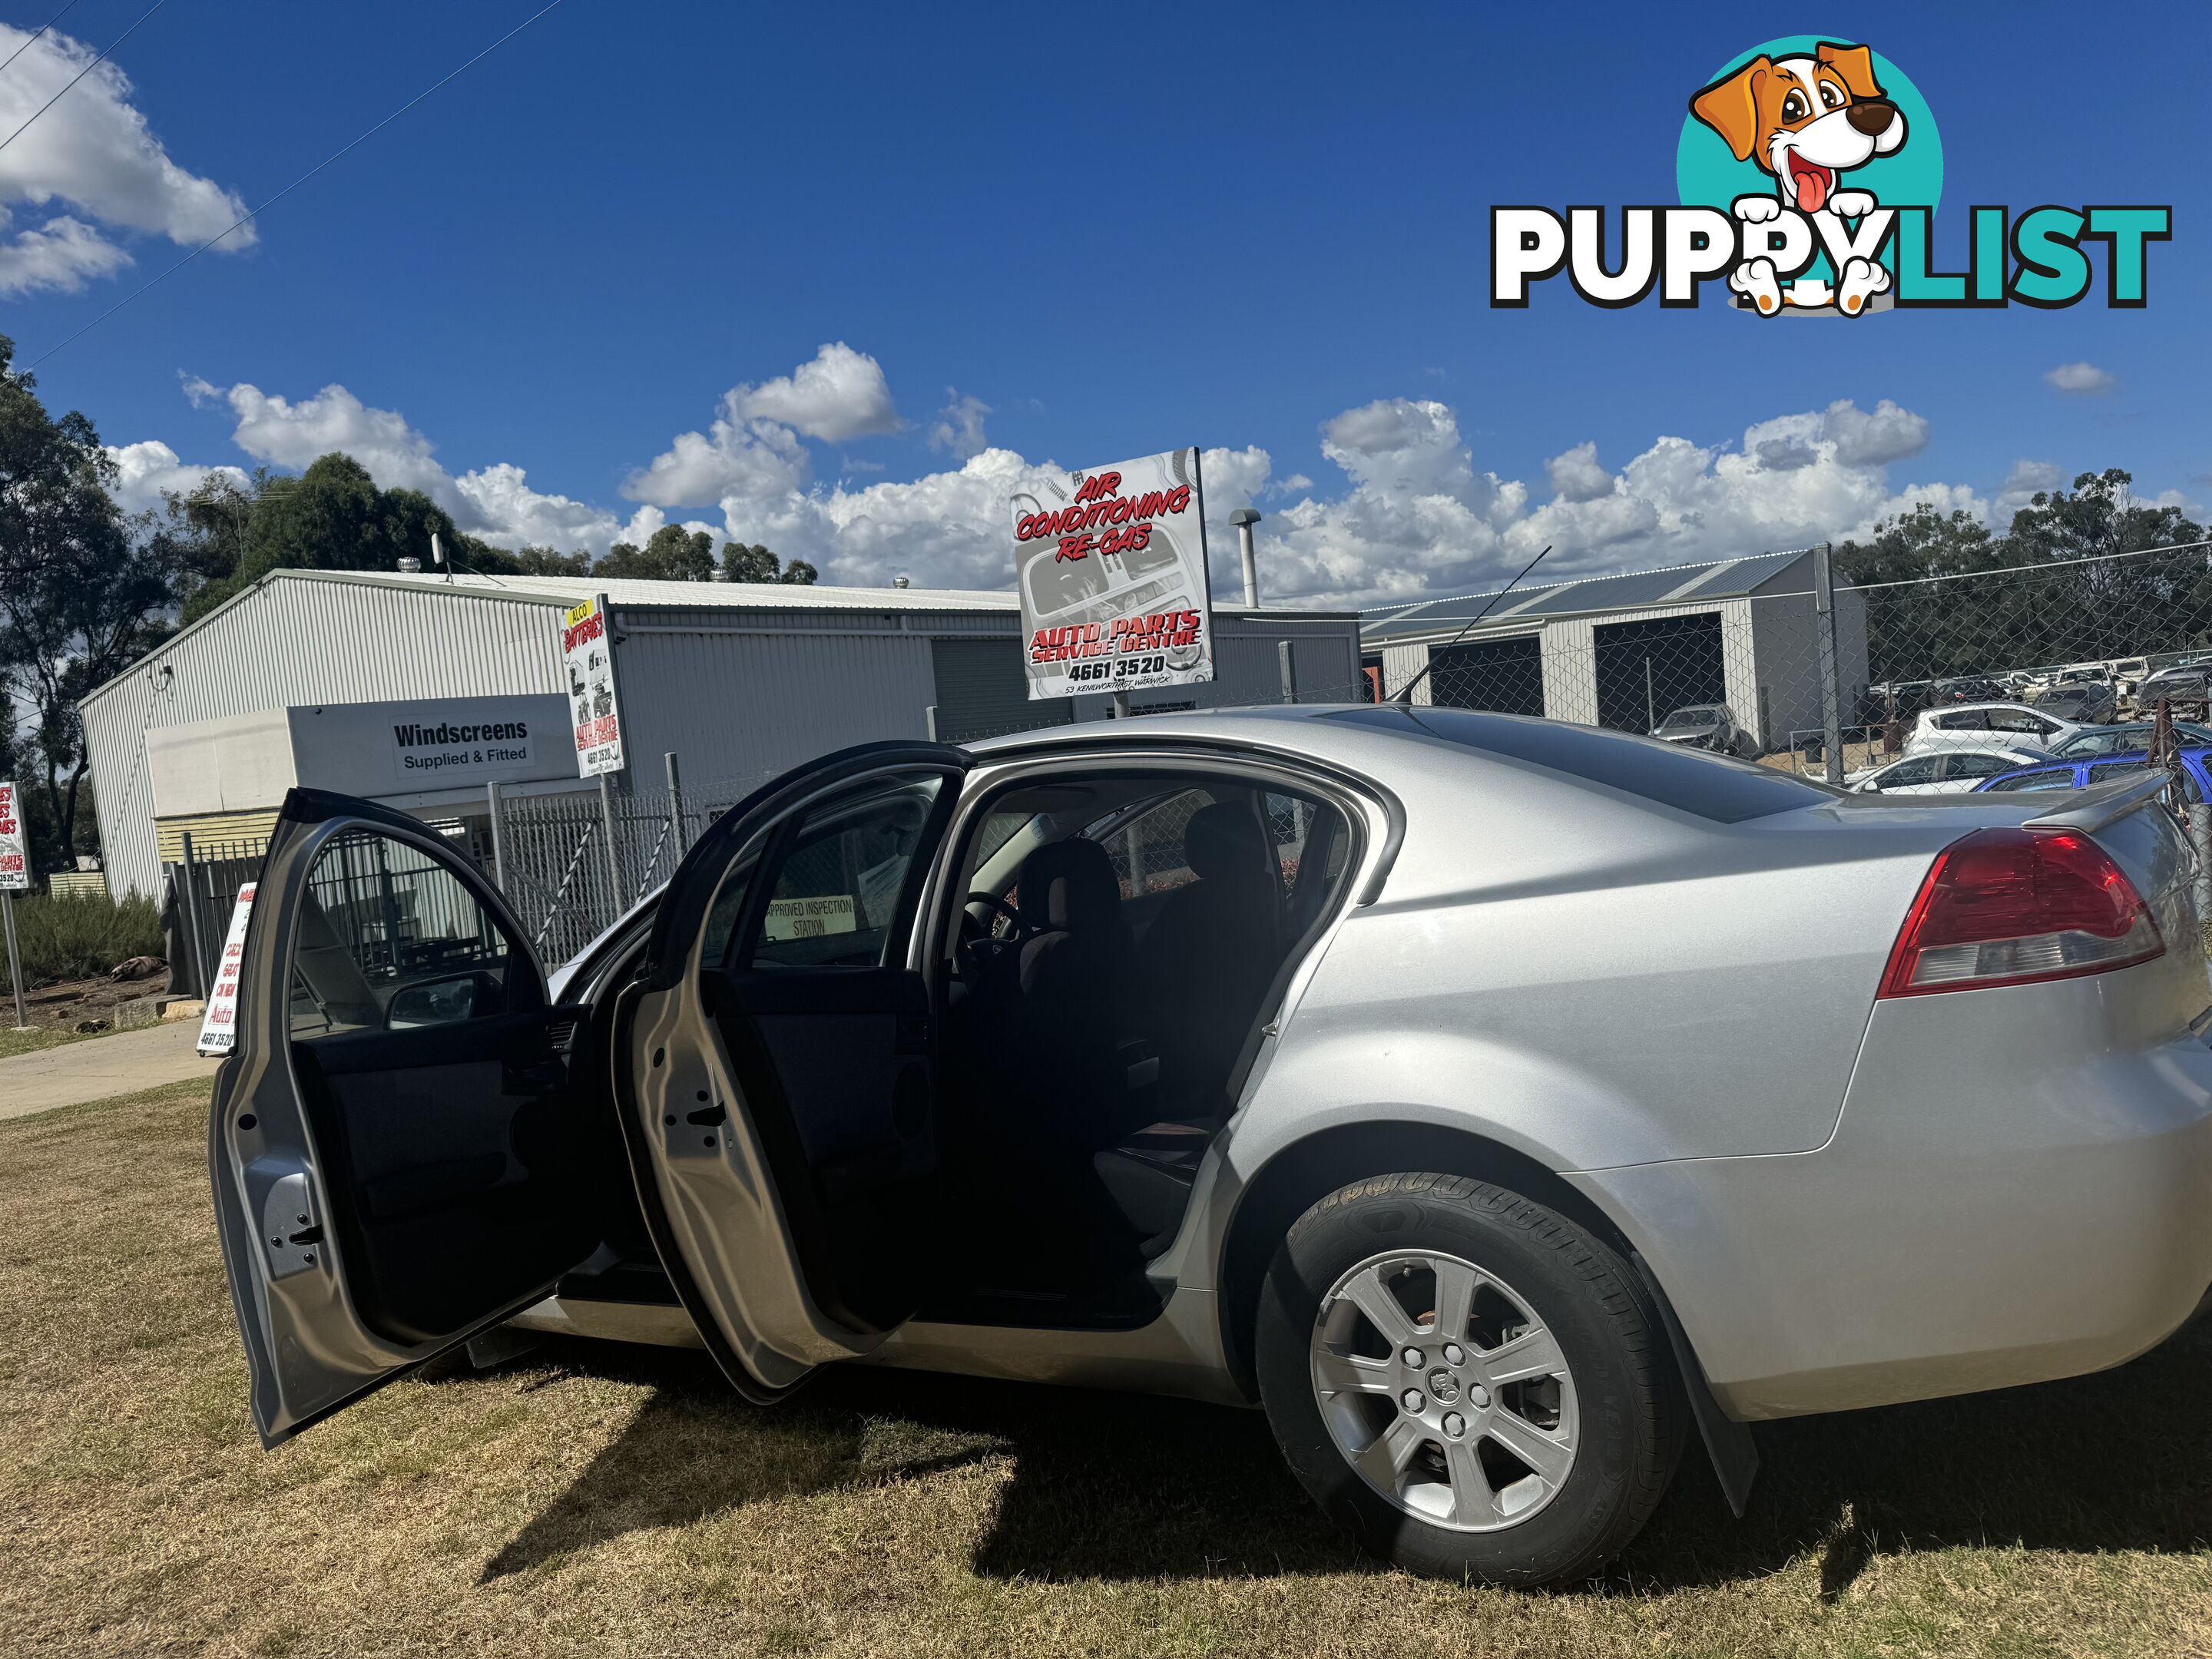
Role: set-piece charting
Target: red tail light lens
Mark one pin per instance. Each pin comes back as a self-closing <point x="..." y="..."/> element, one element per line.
<point x="2007" y="906"/>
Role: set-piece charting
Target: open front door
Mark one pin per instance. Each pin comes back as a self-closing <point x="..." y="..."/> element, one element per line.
<point x="780" y="1059"/>
<point x="394" y="1141"/>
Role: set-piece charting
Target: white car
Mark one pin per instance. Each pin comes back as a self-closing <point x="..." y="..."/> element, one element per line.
<point x="1945" y="771"/>
<point x="1980" y="725"/>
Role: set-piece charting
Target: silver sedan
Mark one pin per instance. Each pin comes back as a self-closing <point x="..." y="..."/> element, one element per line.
<point x="1499" y="1105"/>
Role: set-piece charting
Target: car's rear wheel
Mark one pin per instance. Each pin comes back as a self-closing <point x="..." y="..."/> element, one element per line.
<point x="1470" y="1383"/>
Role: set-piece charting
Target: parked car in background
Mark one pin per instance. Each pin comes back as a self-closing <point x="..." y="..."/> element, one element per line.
<point x="1708" y="726"/>
<point x="2133" y="738"/>
<point x="2084" y="702"/>
<point x="2196" y="784"/>
<point x="1271" y="1057"/>
<point x="1974" y="688"/>
<point x="1972" y="726"/>
<point x="1941" y="772"/>
<point x="2178" y="685"/>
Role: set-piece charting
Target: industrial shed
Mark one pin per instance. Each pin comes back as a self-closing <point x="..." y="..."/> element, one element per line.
<point x="738" y="681"/>
<point x="1623" y="651"/>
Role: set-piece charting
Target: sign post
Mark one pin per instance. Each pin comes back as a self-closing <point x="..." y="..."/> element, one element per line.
<point x="1112" y="574"/>
<point x="14" y="877"/>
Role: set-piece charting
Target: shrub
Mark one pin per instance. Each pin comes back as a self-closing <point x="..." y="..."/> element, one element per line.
<point x="77" y="935"/>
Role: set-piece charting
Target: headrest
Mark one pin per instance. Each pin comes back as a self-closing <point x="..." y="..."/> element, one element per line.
<point x="1070" y="885"/>
<point x="1223" y="842"/>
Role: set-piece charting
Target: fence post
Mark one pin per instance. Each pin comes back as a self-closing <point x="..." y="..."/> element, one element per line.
<point x="498" y="837"/>
<point x="677" y="830"/>
<point x="1823" y="628"/>
<point x="14" y="959"/>
<point x="1286" y="664"/>
<point x="188" y="900"/>
<point x="929" y="715"/>
<point x="614" y="857"/>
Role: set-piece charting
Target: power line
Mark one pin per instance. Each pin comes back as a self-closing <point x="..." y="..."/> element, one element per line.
<point x="82" y="73"/>
<point x="255" y="212"/>
<point x="35" y="38"/>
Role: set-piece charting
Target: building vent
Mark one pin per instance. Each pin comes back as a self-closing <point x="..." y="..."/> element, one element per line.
<point x="411" y="566"/>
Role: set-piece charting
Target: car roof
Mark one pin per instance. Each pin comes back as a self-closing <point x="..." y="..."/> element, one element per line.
<point x="1968" y="707"/>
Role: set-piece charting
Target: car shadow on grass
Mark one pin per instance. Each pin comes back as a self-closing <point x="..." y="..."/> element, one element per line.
<point x="1113" y="1487"/>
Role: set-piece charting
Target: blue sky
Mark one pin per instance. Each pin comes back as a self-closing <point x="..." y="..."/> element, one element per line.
<point x="1258" y="230"/>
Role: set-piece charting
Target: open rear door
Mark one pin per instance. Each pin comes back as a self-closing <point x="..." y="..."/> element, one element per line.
<point x="394" y="1143"/>
<point x="779" y="1056"/>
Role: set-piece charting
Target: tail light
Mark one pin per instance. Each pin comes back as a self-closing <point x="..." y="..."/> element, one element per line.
<point x="2008" y="906"/>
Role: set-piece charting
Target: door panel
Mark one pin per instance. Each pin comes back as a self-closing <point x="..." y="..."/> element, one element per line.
<point x="781" y="1112"/>
<point x="393" y="1142"/>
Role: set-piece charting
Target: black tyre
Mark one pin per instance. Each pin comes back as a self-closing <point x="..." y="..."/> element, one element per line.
<point x="1469" y="1383"/>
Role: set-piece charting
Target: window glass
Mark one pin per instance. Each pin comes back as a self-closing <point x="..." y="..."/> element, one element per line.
<point x="836" y="886"/>
<point x="390" y="939"/>
<point x="1977" y="765"/>
<point x="1969" y="720"/>
<point x="1290" y="820"/>
<point x="1147" y="850"/>
<point x="1920" y="769"/>
<point x="1695" y="781"/>
<point x="2050" y="778"/>
<point x="2019" y="720"/>
<point x="719" y="942"/>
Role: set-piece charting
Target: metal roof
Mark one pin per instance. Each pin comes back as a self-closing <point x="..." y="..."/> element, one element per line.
<point x="757" y="596"/>
<point x="1722" y="579"/>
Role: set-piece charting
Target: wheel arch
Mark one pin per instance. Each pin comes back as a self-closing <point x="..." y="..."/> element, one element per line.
<point x="1307" y="1170"/>
<point x="1302" y="1174"/>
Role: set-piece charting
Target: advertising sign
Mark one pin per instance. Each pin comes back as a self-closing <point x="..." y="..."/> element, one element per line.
<point x="219" y="1026"/>
<point x="428" y="752"/>
<point x="590" y="657"/>
<point x="1111" y="569"/>
<point x="15" y="852"/>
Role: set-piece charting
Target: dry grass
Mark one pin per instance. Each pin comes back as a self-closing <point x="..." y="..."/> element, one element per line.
<point x="591" y="1499"/>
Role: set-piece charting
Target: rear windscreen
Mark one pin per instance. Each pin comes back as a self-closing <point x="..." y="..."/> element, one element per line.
<point x="1695" y="781"/>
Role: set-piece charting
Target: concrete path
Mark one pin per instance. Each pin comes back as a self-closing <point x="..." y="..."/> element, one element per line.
<point x="120" y="1063"/>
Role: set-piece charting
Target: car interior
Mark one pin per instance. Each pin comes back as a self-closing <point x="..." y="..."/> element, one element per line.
<point x="1099" y="986"/>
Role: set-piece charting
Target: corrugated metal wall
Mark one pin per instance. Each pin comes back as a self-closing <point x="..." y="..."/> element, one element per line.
<point x="297" y="641"/>
<point x="982" y="690"/>
<point x="737" y="693"/>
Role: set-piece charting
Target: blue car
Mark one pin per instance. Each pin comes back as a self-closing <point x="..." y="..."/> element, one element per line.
<point x="2081" y="774"/>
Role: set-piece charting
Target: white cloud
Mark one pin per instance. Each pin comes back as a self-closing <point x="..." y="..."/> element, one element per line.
<point x="1862" y="439"/>
<point x="2082" y="380"/>
<point x="1577" y="476"/>
<point x="145" y="471"/>
<point x="495" y="501"/>
<point x="92" y="150"/>
<point x="735" y="456"/>
<point x="60" y="256"/>
<point x="841" y="394"/>
<point x="959" y="426"/>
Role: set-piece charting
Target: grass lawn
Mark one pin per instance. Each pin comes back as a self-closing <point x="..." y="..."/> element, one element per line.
<point x="593" y="1499"/>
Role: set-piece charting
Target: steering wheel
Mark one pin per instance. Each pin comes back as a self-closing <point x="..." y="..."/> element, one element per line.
<point x="982" y="948"/>
<point x="1001" y="907"/>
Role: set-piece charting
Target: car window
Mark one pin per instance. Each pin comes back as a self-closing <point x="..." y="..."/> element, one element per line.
<point x="2019" y="720"/>
<point x="1966" y="720"/>
<point x="2060" y="777"/>
<point x="1147" y="850"/>
<point x="390" y="939"/>
<point x="1977" y="765"/>
<point x="838" y="883"/>
<point x="1918" y="770"/>
<point x="2111" y="770"/>
<point x="1694" y="781"/>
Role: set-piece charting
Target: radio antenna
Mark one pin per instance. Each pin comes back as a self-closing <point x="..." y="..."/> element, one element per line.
<point x="1406" y="692"/>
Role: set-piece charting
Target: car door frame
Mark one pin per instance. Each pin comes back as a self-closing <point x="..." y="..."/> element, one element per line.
<point x="750" y="1300"/>
<point x="309" y="1352"/>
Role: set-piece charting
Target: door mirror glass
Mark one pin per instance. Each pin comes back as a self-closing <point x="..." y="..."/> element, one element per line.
<point x="836" y="885"/>
<point x="389" y="938"/>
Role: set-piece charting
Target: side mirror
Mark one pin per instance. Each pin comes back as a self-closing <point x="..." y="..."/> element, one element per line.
<point x="433" y="1002"/>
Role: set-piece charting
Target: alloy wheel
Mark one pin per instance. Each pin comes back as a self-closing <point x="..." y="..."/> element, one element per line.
<point x="1445" y="1391"/>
